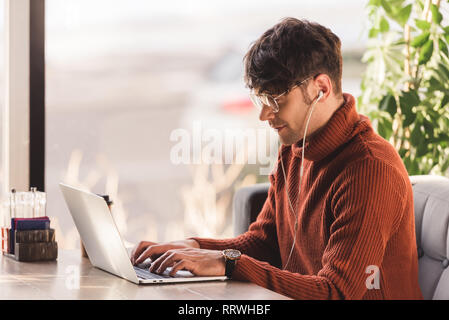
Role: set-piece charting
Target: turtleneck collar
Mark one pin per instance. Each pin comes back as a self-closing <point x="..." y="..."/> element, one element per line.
<point x="341" y="127"/>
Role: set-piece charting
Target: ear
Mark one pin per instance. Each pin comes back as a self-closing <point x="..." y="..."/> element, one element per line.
<point x="323" y="83"/>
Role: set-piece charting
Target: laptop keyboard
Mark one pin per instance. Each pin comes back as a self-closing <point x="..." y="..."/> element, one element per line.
<point x="145" y="274"/>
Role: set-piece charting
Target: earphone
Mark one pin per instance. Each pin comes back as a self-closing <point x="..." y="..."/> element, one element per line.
<point x="320" y="95"/>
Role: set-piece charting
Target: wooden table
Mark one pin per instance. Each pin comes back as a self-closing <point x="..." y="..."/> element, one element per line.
<point x="73" y="277"/>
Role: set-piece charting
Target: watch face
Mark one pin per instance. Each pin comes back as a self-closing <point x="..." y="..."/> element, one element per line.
<point x="232" y="254"/>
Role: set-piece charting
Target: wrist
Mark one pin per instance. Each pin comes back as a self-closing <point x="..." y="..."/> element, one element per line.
<point x="193" y="243"/>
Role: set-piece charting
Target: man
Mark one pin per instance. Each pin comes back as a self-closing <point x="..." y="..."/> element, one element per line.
<point x="344" y="228"/>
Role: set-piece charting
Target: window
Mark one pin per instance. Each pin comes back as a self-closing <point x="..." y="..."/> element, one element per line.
<point x="127" y="82"/>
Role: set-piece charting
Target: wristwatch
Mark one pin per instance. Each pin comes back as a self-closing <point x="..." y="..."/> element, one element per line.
<point x="231" y="256"/>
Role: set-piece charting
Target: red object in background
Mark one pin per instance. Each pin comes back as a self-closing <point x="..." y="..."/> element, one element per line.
<point x="243" y="105"/>
<point x="5" y="233"/>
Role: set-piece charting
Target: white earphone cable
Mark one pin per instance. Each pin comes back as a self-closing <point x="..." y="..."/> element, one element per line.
<point x="295" y="214"/>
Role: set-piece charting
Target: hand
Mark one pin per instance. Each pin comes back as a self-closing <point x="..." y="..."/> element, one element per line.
<point x="200" y="262"/>
<point x="153" y="250"/>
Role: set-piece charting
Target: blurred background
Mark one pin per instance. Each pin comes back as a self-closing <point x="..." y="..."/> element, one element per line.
<point x="121" y="76"/>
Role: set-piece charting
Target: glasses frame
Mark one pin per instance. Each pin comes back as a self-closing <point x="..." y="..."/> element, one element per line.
<point x="257" y="99"/>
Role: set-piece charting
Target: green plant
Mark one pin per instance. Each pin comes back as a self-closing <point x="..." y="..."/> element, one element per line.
<point x="405" y="88"/>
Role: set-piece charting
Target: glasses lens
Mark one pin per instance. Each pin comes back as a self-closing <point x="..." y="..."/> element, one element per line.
<point x="272" y="103"/>
<point x="264" y="100"/>
<point x="254" y="100"/>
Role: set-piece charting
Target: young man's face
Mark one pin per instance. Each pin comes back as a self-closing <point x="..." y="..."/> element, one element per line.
<point x="290" y="120"/>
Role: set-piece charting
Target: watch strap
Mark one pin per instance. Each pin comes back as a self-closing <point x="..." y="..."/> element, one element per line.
<point x="229" y="269"/>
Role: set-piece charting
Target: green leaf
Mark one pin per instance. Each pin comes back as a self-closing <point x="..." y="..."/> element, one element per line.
<point x="444" y="166"/>
<point x="443" y="46"/>
<point x="386" y="6"/>
<point x="411" y="165"/>
<point x="422" y="24"/>
<point x="407" y="163"/>
<point x="422" y="149"/>
<point x="444" y="69"/>
<point x="446" y="36"/>
<point x="414" y="167"/>
<point x="436" y="85"/>
<point x="384" y="26"/>
<point x="388" y="103"/>
<point x="426" y="52"/>
<point x="385" y="128"/>
<point x="403" y="15"/>
<point x="409" y="118"/>
<point x="373" y="32"/>
<point x="444" y="101"/>
<point x="396" y="3"/>
<point x="428" y="127"/>
<point x="407" y="101"/>
<point x="420" y="40"/>
<point x="442" y="137"/>
<point x="416" y="136"/>
<point x="436" y="15"/>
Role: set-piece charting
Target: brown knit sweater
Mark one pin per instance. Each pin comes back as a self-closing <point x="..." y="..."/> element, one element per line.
<point x="355" y="211"/>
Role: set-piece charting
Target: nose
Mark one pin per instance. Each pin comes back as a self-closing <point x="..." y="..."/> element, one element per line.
<point x="266" y="114"/>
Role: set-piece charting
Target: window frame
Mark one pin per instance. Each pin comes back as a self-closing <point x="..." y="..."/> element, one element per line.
<point x="23" y="138"/>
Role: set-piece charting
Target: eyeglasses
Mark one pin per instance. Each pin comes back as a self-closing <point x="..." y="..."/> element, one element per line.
<point x="268" y="100"/>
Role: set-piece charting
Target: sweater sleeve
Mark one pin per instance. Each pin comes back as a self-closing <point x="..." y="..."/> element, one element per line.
<point x="260" y="241"/>
<point x="367" y="203"/>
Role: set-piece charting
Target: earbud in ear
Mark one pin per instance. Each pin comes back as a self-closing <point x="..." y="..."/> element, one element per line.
<point x="320" y="95"/>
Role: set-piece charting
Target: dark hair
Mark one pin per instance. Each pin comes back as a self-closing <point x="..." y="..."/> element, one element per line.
<point x="291" y="51"/>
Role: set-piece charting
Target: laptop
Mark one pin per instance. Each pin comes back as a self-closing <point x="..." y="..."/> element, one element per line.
<point x="104" y="244"/>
